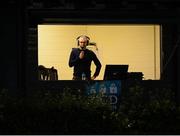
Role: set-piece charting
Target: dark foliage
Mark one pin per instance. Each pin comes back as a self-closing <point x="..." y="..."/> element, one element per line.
<point x="141" y="111"/>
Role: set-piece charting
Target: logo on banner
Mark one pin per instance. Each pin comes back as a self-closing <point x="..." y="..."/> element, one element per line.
<point x="110" y="88"/>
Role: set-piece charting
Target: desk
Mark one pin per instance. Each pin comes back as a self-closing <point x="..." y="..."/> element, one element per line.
<point x="108" y="88"/>
<point x="96" y="86"/>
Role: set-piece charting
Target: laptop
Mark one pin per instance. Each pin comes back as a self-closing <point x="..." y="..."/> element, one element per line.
<point x="115" y="72"/>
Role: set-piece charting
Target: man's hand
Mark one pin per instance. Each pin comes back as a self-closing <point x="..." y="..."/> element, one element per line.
<point x="93" y="77"/>
<point x="81" y="55"/>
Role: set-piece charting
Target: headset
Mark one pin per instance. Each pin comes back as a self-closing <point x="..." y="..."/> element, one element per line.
<point x="82" y="36"/>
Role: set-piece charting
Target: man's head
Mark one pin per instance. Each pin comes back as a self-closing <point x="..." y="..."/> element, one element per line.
<point x="83" y="41"/>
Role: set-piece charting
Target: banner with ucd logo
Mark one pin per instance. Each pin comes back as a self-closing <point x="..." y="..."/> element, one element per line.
<point x="110" y="88"/>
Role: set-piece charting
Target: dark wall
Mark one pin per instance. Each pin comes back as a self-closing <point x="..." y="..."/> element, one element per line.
<point x="9" y="50"/>
<point x="11" y="45"/>
<point x="170" y="41"/>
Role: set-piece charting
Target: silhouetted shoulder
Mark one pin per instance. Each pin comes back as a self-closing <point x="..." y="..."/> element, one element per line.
<point x="75" y="49"/>
<point x="90" y="51"/>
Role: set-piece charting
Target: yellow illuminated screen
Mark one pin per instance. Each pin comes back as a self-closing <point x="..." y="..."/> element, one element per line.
<point x="135" y="45"/>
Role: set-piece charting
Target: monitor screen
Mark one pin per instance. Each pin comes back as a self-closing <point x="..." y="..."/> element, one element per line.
<point x="114" y="72"/>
